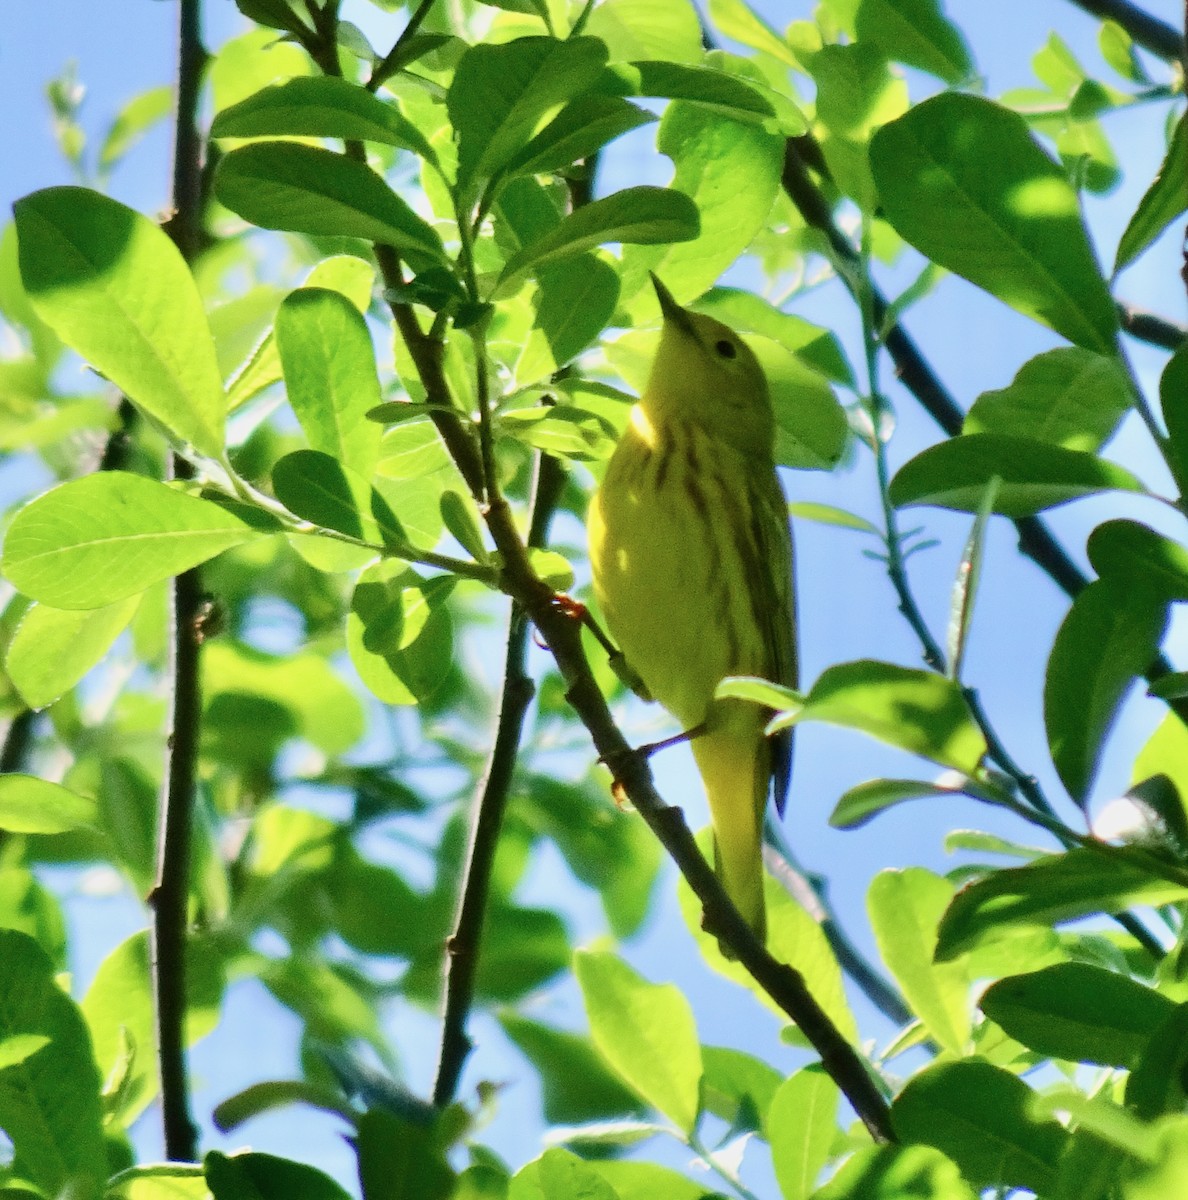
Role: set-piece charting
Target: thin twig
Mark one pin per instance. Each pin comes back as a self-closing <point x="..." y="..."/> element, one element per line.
<point x="493" y="792"/>
<point x="169" y="898"/>
<point x="392" y="60"/>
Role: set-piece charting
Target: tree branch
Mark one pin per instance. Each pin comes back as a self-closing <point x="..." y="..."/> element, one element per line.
<point x="169" y="897"/>
<point x="463" y="945"/>
<point x="1150" y="328"/>
<point x="1150" y="32"/>
<point x="562" y="633"/>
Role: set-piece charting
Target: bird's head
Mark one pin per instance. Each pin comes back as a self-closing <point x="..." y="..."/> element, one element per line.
<point x="705" y="372"/>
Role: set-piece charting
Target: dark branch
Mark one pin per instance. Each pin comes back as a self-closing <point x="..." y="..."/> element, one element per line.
<point x="1155" y="330"/>
<point x="171" y="889"/>
<point x="1147" y="31"/>
<point x="464" y="944"/>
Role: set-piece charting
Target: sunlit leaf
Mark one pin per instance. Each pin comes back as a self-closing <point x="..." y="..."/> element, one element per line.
<point x="963" y="180"/>
<point x="90" y="542"/>
<point x="114" y="287"/>
<point x="645" y="1031"/>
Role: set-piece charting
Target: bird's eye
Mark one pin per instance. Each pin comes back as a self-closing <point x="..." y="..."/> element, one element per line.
<point x="725" y="348"/>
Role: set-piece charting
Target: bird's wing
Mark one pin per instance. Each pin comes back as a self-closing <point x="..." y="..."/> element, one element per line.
<point x="775" y="608"/>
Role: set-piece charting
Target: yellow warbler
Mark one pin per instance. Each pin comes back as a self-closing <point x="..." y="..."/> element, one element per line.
<point x="692" y="561"/>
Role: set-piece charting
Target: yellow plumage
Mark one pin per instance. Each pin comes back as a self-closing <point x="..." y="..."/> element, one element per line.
<point x="692" y="561"/>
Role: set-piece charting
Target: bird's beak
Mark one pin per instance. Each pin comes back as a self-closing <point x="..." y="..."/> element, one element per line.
<point x="671" y="309"/>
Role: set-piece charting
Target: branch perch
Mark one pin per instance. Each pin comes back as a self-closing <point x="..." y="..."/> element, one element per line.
<point x="169" y="898"/>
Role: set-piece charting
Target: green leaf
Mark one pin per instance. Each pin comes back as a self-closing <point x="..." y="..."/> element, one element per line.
<point x="731" y="172"/>
<point x="399" y="633"/>
<point x="1157" y="1082"/>
<point x="1173" y="387"/>
<point x="118" y="1008"/>
<point x="1130" y="551"/>
<point x="645" y="1032"/>
<point x="897" y="1173"/>
<point x="303" y="688"/>
<point x="32" y="805"/>
<point x="717" y="92"/>
<point x="801" y="1127"/>
<point x="112" y="286"/>
<point x="252" y="1176"/>
<point x="330" y="375"/>
<point x="737" y="1087"/>
<point x="905" y="908"/>
<point x="1109" y="636"/>
<point x="648" y="29"/>
<point x="575" y="300"/>
<point x="560" y="1175"/>
<point x="90" y="542"/>
<point x="963" y="181"/>
<point x="979" y="1116"/>
<point x="827" y="514"/>
<point x="461" y="518"/>
<point x="481" y="1181"/>
<point x="1067" y="397"/>
<point x="131" y="124"/>
<point x="30" y="907"/>
<point x="646" y="1181"/>
<point x="638" y="214"/>
<point x="918" y="711"/>
<point x="158" y="1181"/>
<point x="1078" y="1012"/>
<point x="577" y="1086"/>
<point x="605" y="849"/>
<point x="49" y="1101"/>
<point x="523" y="949"/>
<point x="1049" y="891"/>
<point x="1164" y="200"/>
<point x="53" y="648"/>
<point x="343" y="273"/>
<point x="401" y="1160"/>
<point x="500" y="93"/>
<point x="579" y="130"/>
<point x="320" y="489"/>
<point x="262" y="1098"/>
<point x="865" y="801"/>
<point x="857" y="93"/>
<point x="811" y="428"/>
<point x="1164" y="1175"/>
<point x="736" y="20"/>
<point x="917" y="34"/>
<point x="965" y="584"/>
<point x="304" y="189"/>
<point x="321" y="106"/>
<point x="760" y="691"/>
<point x="1034" y="475"/>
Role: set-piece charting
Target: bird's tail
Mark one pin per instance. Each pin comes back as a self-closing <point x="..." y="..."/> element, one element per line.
<point x="734" y="760"/>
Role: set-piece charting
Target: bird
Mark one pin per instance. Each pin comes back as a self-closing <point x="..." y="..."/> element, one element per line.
<point x="692" y="565"/>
